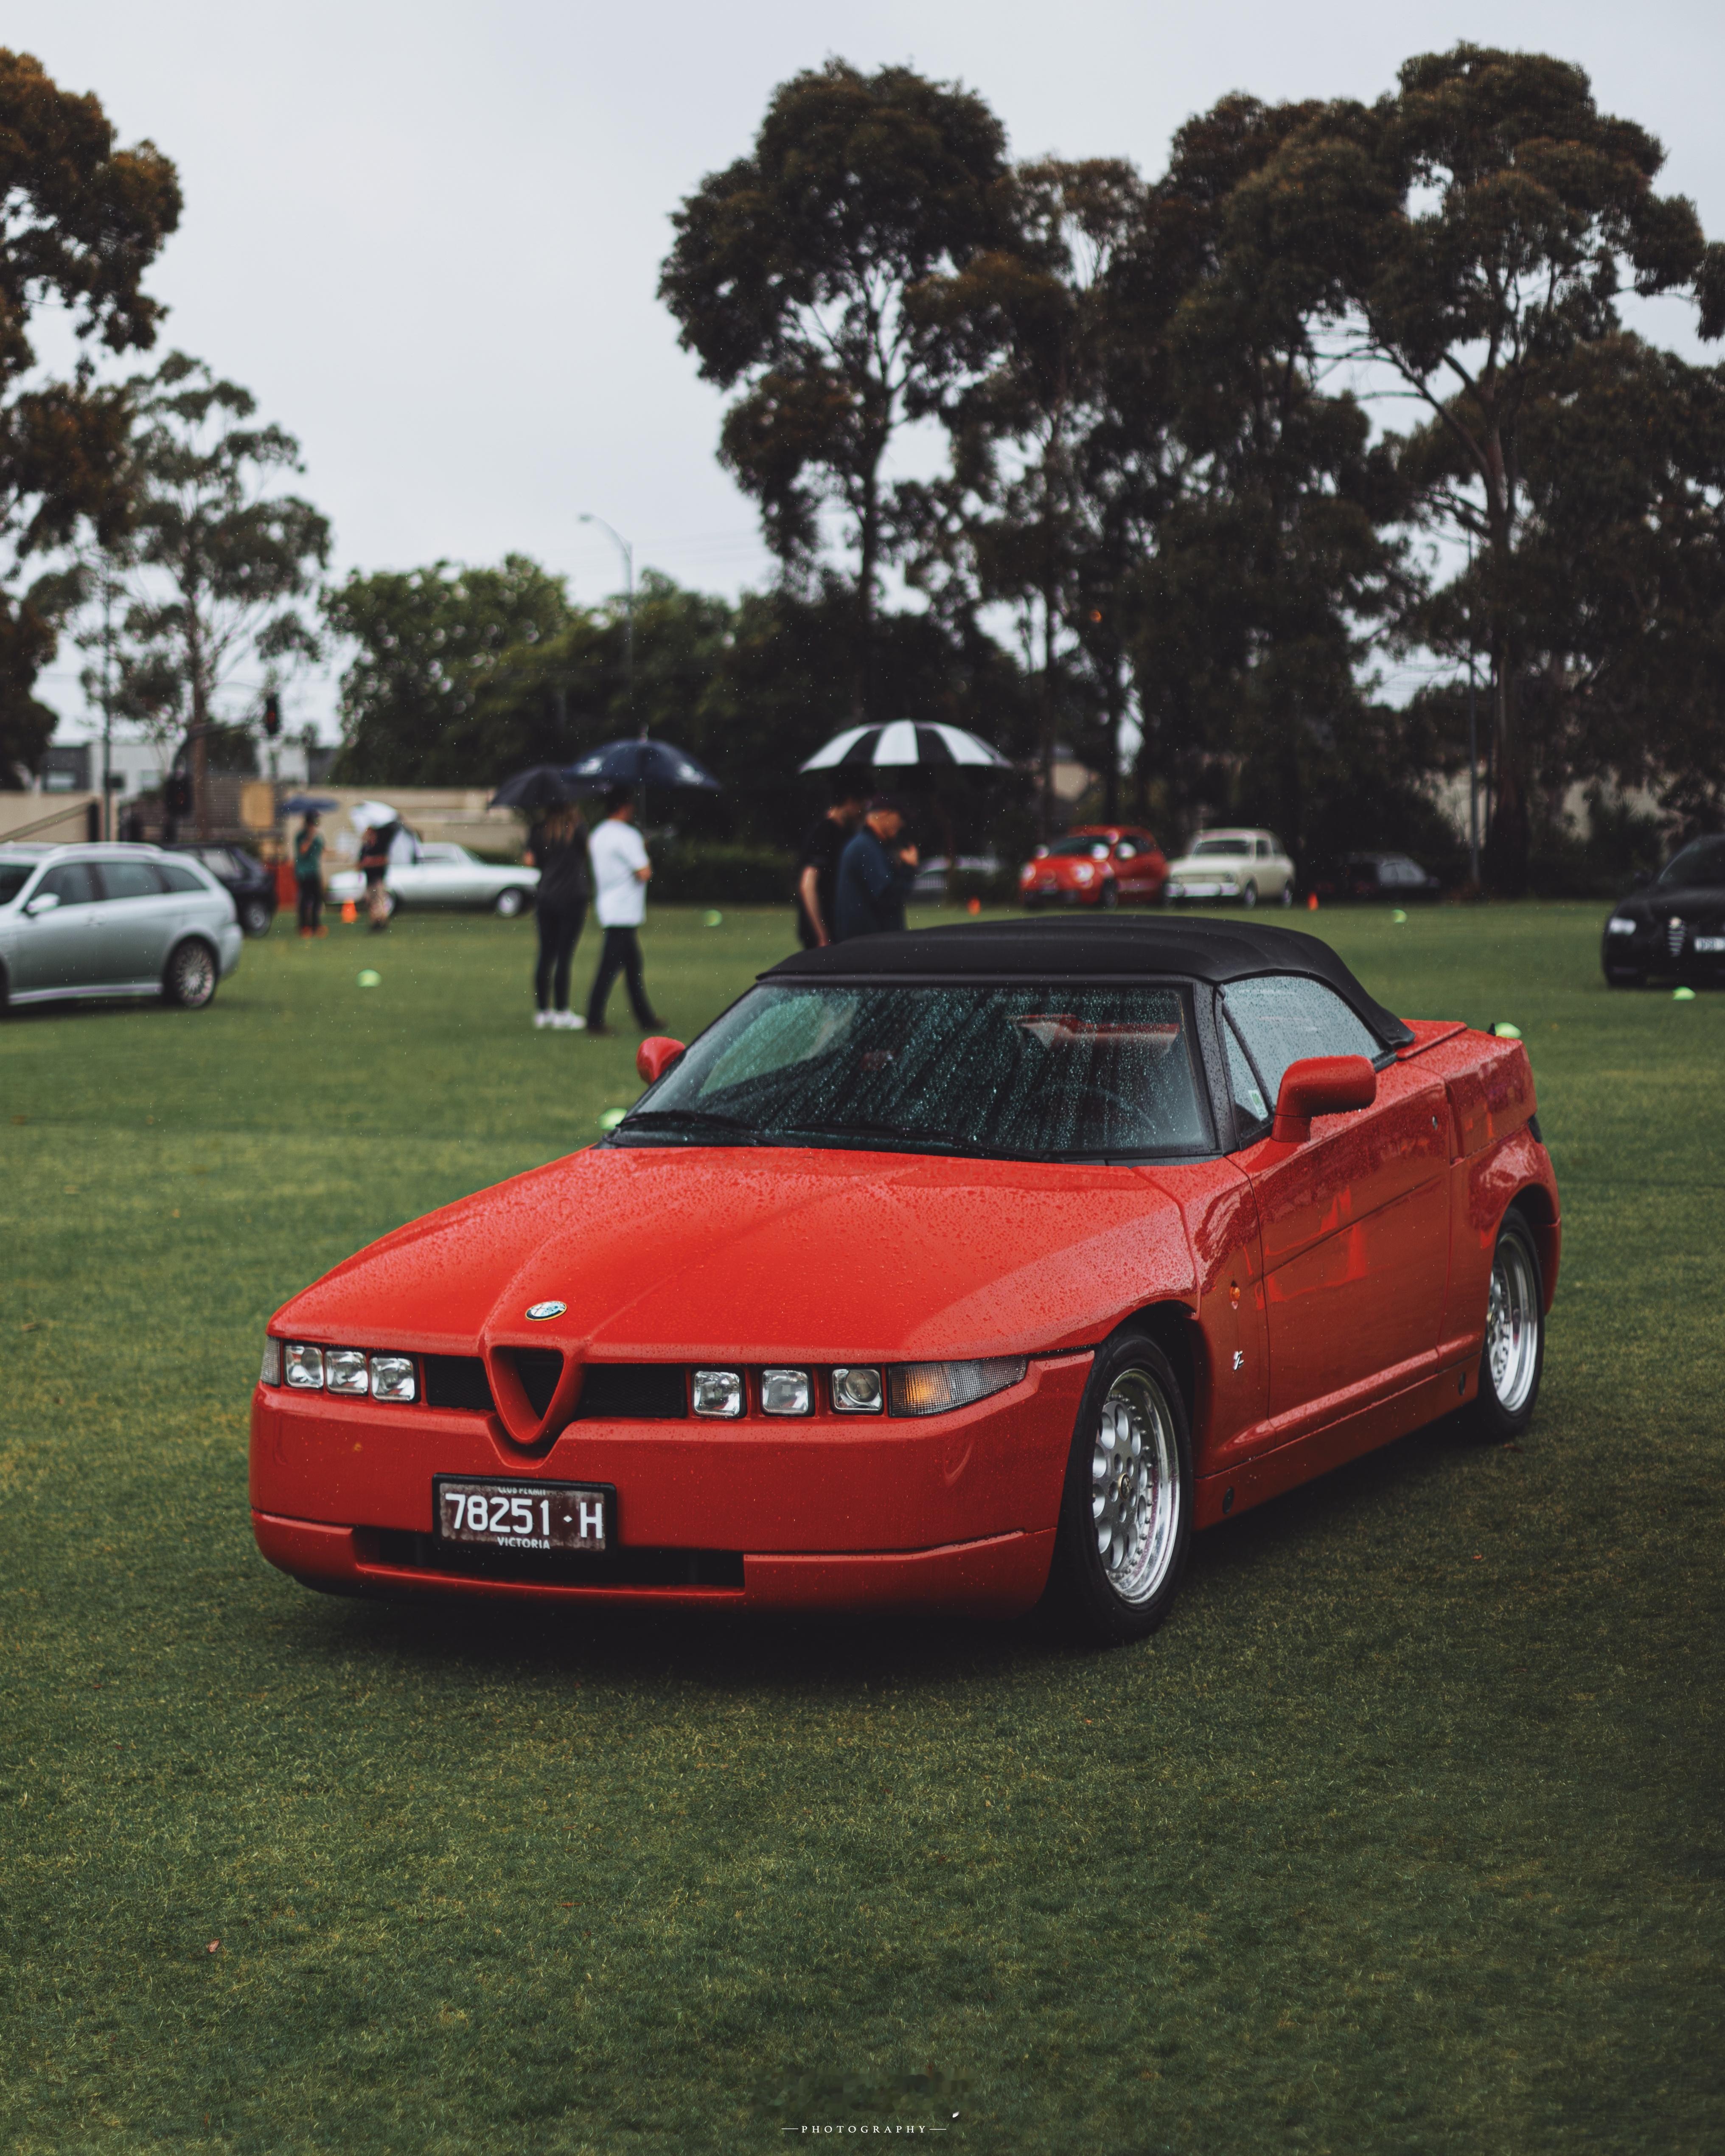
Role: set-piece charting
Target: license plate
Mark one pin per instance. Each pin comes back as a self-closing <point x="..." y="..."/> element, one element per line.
<point x="524" y="1515"/>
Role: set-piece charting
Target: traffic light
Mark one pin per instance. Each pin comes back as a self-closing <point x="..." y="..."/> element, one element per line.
<point x="272" y="715"/>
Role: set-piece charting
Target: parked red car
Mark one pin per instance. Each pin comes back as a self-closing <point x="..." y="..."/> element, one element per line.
<point x="1101" y="864"/>
<point x="947" y="1268"/>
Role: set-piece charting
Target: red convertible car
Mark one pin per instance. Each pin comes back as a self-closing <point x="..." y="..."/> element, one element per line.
<point x="950" y="1268"/>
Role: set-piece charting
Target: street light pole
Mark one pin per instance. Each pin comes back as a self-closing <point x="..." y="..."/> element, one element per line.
<point x="627" y="552"/>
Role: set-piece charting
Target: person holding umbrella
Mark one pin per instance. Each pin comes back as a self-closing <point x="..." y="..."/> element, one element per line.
<point x="876" y="874"/>
<point x="556" y="846"/>
<point x="620" y="874"/>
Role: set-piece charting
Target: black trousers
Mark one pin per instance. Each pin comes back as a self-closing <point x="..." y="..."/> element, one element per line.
<point x="559" y="931"/>
<point x="622" y="954"/>
<point x="310" y="902"/>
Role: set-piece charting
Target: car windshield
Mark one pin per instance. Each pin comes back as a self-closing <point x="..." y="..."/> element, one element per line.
<point x="13" y="877"/>
<point x="1085" y="847"/>
<point x="1205" y="847"/>
<point x="1701" y="862"/>
<point x="1025" y="1072"/>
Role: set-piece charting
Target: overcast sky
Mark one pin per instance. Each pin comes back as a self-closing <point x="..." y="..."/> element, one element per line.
<point x="428" y="236"/>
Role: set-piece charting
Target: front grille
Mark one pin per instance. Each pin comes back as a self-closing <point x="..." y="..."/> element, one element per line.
<point x="397" y="1550"/>
<point x="538" y="1370"/>
<point x="457" y="1381"/>
<point x="635" y="1392"/>
<point x="1674" y="938"/>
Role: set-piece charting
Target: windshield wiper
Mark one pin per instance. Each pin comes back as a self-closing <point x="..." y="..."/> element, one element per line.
<point x="700" y="1119"/>
<point x="896" y="1132"/>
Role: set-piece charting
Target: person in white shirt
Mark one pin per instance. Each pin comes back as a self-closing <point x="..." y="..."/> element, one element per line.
<point x="620" y="871"/>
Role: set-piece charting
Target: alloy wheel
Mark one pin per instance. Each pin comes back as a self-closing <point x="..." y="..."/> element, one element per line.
<point x="1135" y="1470"/>
<point x="1512" y="1322"/>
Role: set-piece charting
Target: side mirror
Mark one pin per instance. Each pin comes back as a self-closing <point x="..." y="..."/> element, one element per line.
<point x="44" y="901"/>
<point x="1321" y="1086"/>
<point x="658" y="1051"/>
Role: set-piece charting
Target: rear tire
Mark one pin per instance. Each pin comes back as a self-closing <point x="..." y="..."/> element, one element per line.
<point x="188" y="982"/>
<point x="509" y="903"/>
<point x="1109" y="897"/>
<point x="1249" y="897"/>
<point x="1513" y="1359"/>
<point x="1126" y="1509"/>
<point x="1287" y="892"/>
<point x="255" y="917"/>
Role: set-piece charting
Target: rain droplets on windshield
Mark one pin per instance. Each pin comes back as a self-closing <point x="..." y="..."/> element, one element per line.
<point x="1043" y="1072"/>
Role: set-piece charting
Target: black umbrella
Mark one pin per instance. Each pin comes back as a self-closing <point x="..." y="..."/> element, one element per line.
<point x="639" y="763"/>
<point x="308" y="804"/>
<point x="542" y="786"/>
<point x="907" y="745"/>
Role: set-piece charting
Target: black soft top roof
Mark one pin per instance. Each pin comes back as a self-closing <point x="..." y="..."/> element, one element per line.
<point x="1214" y="951"/>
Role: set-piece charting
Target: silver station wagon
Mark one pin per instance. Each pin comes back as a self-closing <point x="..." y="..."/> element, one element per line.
<point x="103" y="920"/>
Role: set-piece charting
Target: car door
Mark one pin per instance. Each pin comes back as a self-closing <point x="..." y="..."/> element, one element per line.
<point x="427" y="880"/>
<point x="132" y="924"/>
<point x="1354" y="1221"/>
<point x="56" y="950"/>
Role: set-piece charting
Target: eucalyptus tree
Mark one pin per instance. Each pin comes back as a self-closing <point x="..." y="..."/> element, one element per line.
<point x="82" y="221"/>
<point x="1471" y="235"/>
<point x="216" y="562"/>
<point x="1278" y="555"/>
<point x="793" y="276"/>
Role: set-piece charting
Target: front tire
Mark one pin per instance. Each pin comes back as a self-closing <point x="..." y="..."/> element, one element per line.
<point x="1108" y="897"/>
<point x="1617" y="977"/>
<point x="1513" y="1359"/>
<point x="509" y="903"/>
<point x="1126" y="1509"/>
<point x="189" y="980"/>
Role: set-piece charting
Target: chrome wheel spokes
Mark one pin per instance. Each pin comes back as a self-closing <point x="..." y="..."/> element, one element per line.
<point x="1134" y="1486"/>
<point x="1513" y="1320"/>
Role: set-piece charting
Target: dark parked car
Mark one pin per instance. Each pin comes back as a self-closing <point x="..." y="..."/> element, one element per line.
<point x="1397" y="877"/>
<point x="244" y="876"/>
<point x="1675" y="926"/>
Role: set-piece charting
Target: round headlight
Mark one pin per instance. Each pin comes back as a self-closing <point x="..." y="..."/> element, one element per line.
<point x="857" y="1391"/>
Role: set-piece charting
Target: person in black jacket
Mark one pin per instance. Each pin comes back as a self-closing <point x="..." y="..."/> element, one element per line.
<point x="818" y="863"/>
<point x="875" y="873"/>
<point x="558" y="848"/>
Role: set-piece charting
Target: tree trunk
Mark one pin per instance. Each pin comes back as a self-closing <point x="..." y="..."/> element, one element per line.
<point x="867" y="693"/>
<point x="1045" y="809"/>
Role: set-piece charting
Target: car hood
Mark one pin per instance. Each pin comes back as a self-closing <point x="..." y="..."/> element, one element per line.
<point x="762" y="1254"/>
<point x="1685" y="901"/>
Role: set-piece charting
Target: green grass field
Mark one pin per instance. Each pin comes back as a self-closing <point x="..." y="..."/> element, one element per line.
<point x="1403" y="1835"/>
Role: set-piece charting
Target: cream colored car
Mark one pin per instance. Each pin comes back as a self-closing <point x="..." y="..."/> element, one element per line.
<point x="1251" y="867"/>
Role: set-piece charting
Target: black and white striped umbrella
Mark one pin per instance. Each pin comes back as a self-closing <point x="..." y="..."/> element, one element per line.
<point x="906" y="744"/>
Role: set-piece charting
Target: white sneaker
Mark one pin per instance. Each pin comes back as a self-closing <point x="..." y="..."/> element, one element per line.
<point x="541" y="1019"/>
<point x="569" y="1022"/>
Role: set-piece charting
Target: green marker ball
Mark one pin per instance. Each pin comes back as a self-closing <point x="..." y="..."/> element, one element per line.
<point x="611" y="1118"/>
<point x="1682" y="995"/>
<point x="368" y="979"/>
<point x="715" y="919"/>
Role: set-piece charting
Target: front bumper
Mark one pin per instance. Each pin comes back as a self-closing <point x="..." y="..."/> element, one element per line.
<point x="1178" y="887"/>
<point x="1059" y="893"/>
<point x="957" y="1511"/>
<point x="229" y="943"/>
<point x="1697" y="955"/>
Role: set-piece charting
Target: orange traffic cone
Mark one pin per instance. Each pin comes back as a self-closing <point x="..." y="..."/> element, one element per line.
<point x="973" y="905"/>
<point x="350" y="912"/>
<point x="1311" y="901"/>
